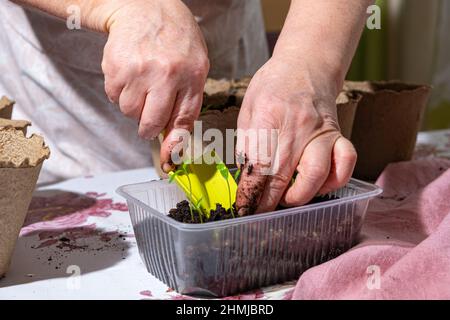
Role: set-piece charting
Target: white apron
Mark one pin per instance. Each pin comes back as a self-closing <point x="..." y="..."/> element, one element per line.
<point x="55" y="76"/>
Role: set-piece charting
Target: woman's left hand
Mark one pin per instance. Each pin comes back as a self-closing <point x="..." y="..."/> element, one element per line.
<point x="298" y="101"/>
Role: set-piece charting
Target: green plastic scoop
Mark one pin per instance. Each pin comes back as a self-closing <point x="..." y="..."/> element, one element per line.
<point x="205" y="185"/>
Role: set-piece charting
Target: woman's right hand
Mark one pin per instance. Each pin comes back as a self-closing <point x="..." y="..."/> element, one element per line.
<point x="155" y="64"/>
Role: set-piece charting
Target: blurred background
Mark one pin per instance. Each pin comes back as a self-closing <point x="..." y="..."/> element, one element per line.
<point x="413" y="45"/>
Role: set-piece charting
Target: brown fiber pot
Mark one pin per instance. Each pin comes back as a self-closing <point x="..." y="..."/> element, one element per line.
<point x="20" y="163"/>
<point x="346" y="104"/>
<point x="6" y="107"/>
<point x="21" y="125"/>
<point x="388" y="118"/>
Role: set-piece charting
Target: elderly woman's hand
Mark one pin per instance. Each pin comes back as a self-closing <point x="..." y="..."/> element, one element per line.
<point x="300" y="106"/>
<point x="155" y="64"/>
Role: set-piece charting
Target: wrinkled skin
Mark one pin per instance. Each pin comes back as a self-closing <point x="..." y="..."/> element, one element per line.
<point x="155" y="64"/>
<point x="300" y="105"/>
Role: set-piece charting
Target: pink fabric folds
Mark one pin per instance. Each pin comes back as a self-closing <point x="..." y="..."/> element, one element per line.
<point x="404" y="251"/>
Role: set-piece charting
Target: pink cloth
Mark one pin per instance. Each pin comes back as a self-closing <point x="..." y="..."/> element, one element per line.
<point x="406" y="237"/>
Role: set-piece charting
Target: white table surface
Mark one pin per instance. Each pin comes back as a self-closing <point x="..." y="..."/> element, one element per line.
<point x="82" y="225"/>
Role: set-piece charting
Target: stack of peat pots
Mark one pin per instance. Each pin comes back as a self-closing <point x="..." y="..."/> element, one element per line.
<point x="21" y="159"/>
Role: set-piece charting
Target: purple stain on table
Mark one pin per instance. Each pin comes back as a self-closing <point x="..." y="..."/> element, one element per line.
<point x="288" y="294"/>
<point x="146" y="293"/>
<point x="252" y="295"/>
<point x="67" y="210"/>
<point x="95" y="194"/>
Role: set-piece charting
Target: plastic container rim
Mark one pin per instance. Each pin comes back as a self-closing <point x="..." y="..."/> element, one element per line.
<point x="373" y="191"/>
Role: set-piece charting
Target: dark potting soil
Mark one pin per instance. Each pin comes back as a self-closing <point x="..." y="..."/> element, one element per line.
<point x="182" y="212"/>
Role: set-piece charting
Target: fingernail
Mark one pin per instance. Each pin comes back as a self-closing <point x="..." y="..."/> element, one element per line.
<point x="243" y="211"/>
<point x="167" y="167"/>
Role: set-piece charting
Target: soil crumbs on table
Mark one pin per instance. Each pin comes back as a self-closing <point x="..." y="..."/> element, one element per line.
<point x="182" y="212"/>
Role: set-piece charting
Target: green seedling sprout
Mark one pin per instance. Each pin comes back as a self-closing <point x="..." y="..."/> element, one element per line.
<point x="175" y="174"/>
<point x="206" y="108"/>
<point x="197" y="208"/>
<point x="224" y="172"/>
<point x="237" y="174"/>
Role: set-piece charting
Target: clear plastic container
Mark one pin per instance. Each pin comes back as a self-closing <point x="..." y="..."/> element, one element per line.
<point x="227" y="257"/>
